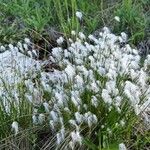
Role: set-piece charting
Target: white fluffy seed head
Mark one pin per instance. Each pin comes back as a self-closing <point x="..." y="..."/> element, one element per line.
<point x="27" y="41"/>
<point x="52" y="124"/>
<point x="124" y="36"/>
<point x="117" y="18"/>
<point x="73" y="32"/>
<point x="106" y="97"/>
<point x="60" y="40"/>
<point x="2" y="48"/>
<point x="82" y="36"/>
<point x="122" y="123"/>
<point x="25" y="46"/>
<point x="34" y="119"/>
<point x="54" y="116"/>
<point x="79" y="15"/>
<point x="79" y="117"/>
<point x="11" y="47"/>
<point x="122" y="146"/>
<point x="79" y="80"/>
<point x="94" y="87"/>
<point x="76" y="137"/>
<point x="15" y="127"/>
<point x="41" y="118"/>
<point x="59" y="138"/>
<point x="72" y="122"/>
<point x="46" y="106"/>
<point x="70" y="71"/>
<point x="94" y="101"/>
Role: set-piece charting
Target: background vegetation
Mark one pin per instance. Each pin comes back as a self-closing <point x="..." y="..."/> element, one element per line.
<point x="20" y="18"/>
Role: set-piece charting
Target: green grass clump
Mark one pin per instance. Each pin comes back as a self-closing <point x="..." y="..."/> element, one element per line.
<point x="132" y="20"/>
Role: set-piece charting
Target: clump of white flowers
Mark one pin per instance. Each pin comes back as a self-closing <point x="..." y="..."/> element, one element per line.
<point x="96" y="77"/>
<point x="98" y="81"/>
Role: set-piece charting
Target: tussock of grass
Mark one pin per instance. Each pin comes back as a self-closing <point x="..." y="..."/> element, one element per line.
<point x="94" y="103"/>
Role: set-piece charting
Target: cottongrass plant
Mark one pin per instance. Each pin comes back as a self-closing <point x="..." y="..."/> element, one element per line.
<point x="101" y="93"/>
<point x="17" y="91"/>
<point x="98" y="97"/>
